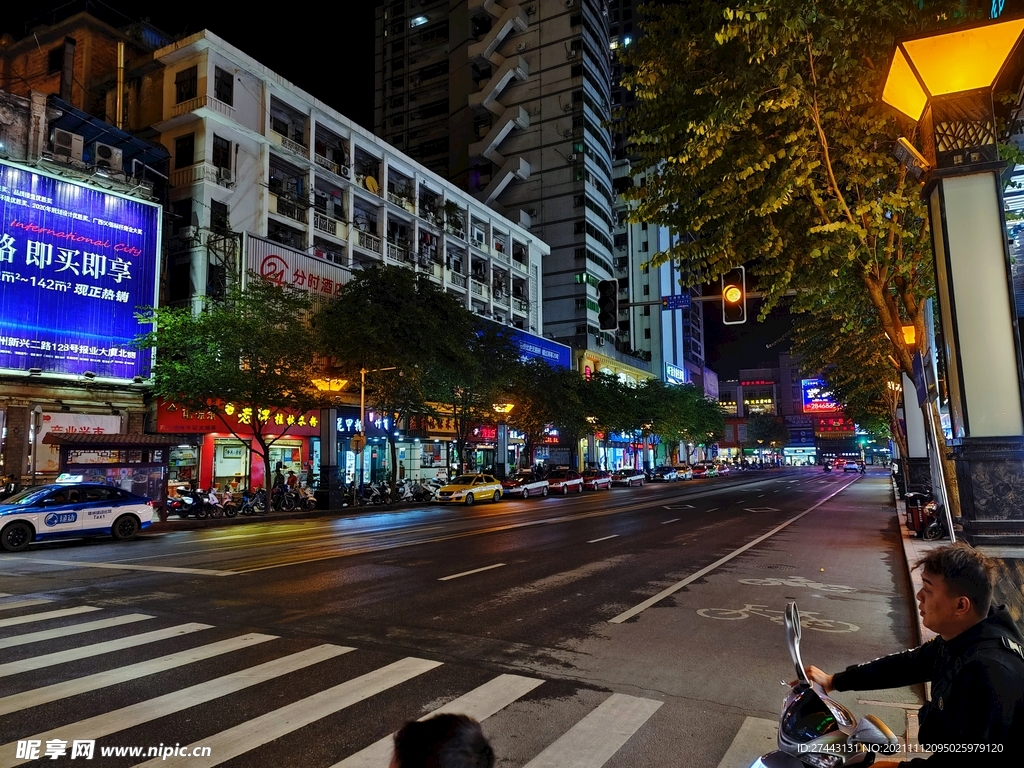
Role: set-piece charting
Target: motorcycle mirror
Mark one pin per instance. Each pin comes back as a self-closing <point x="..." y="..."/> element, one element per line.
<point x="793" y="641"/>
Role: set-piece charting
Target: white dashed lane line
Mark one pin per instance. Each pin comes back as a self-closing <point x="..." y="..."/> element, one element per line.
<point x="470" y="573"/>
<point x="603" y="538"/>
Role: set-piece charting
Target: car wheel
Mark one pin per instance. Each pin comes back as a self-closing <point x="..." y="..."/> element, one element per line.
<point x="544" y="491"/>
<point x="579" y="488"/>
<point x="565" y="490"/>
<point x="125" y="527"/>
<point x="16" y="536"/>
<point x="497" y="497"/>
<point x="469" y="499"/>
<point x="526" y="493"/>
<point x="641" y="482"/>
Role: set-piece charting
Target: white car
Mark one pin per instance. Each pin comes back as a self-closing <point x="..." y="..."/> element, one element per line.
<point x="628" y="477"/>
<point x="684" y="472"/>
<point x="525" y="484"/>
<point x="71" y="510"/>
<point x="564" y="480"/>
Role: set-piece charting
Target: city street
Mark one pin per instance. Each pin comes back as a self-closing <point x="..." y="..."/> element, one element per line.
<point x="637" y="626"/>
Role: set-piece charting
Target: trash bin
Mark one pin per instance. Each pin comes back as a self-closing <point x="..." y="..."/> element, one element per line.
<point x="915" y="510"/>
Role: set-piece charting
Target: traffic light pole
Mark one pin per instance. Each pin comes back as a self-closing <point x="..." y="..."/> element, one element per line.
<point x="697" y="299"/>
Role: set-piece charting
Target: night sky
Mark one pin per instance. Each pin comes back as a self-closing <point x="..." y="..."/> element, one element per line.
<point x="330" y="55"/>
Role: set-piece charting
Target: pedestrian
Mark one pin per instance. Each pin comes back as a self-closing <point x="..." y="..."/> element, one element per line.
<point x="975" y="666"/>
<point x="10" y="486"/>
<point x="442" y="741"/>
<point x="292" y="481"/>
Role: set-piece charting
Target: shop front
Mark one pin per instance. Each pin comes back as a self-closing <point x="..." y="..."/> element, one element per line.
<point x="212" y="455"/>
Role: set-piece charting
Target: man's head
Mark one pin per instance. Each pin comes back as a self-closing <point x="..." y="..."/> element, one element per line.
<point x="956" y="589"/>
<point x="442" y="741"/>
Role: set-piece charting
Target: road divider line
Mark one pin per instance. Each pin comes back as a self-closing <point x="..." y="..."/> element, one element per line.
<point x="162" y="706"/>
<point x="21" y="604"/>
<point x="603" y="538"/>
<point x="74" y="629"/>
<point x="673" y="520"/>
<point x="641" y="607"/>
<point x="46" y="694"/>
<point x="97" y="649"/>
<point x="126" y="567"/>
<point x="713" y="509"/>
<point x="597" y="737"/>
<point x="46" y="615"/>
<point x="470" y="573"/>
<point x="251" y="734"/>
<point x="480" y="703"/>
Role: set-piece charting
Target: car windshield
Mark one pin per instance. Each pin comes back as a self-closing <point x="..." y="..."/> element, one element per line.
<point x="27" y="496"/>
<point x="591" y="473"/>
<point x="524" y="477"/>
<point x="557" y="474"/>
<point x="464" y="480"/>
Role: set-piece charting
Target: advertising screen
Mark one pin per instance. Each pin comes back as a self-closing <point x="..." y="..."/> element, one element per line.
<point x="817" y="397"/>
<point x="75" y="264"/>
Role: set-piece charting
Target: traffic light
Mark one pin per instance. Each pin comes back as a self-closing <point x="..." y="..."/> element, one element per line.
<point x="734" y="296"/>
<point x="608" y="305"/>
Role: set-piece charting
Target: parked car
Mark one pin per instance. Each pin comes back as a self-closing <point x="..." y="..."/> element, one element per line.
<point x="722" y="469"/>
<point x="684" y="472"/>
<point x="664" y="475"/>
<point x="704" y="470"/>
<point x="468" y="489"/>
<point x="628" y="477"/>
<point x="525" y="484"/>
<point x="565" y="480"/>
<point x="851" y="466"/>
<point x="596" y="479"/>
<point x="70" y="510"/>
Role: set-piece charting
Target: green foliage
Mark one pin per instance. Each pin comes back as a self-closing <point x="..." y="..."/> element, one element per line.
<point x="764" y="431"/>
<point x="249" y="351"/>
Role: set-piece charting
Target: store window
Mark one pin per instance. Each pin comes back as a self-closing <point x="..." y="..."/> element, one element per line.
<point x="230" y="464"/>
<point x="289" y="453"/>
<point x="183" y="467"/>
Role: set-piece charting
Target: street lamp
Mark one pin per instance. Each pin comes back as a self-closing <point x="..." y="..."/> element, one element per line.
<point x="944" y="82"/>
<point x="501" y="463"/>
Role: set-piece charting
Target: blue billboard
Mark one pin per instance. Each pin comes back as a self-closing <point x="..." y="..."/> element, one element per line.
<point x="75" y="264"/>
<point x="551" y="352"/>
<point x="817" y="398"/>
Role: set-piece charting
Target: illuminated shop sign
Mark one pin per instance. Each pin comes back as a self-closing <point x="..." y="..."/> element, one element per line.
<point x="817" y="397"/>
<point x="75" y="265"/>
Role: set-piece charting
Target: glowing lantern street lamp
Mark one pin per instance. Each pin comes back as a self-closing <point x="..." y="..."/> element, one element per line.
<point x="944" y="81"/>
<point x="501" y="449"/>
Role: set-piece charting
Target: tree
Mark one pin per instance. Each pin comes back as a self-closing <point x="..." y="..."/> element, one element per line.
<point x="390" y="318"/>
<point x="245" y="356"/>
<point x="766" y="431"/>
<point x="609" y="403"/>
<point x="534" y="383"/>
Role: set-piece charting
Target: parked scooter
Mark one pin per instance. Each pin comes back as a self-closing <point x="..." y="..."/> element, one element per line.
<point x="815" y="730"/>
<point x="924" y="515"/>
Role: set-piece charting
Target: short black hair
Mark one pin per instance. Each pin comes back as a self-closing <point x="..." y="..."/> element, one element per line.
<point x="443" y="741"/>
<point x="967" y="573"/>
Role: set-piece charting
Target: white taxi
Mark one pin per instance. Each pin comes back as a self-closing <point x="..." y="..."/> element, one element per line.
<point x="71" y="510"/>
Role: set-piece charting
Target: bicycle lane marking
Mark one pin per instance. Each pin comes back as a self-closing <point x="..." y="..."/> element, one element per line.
<point x="641" y="607"/>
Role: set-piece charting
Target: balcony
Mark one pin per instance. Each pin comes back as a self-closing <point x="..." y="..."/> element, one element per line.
<point x="501" y="297"/>
<point x="329" y="226"/>
<point x="398" y="252"/>
<point x="289" y="144"/>
<point x="455" y="278"/>
<point x="289" y="208"/>
<point x="520" y="305"/>
<point x="201" y="102"/>
<point x="326" y="164"/>
<point x="194" y="174"/>
<point x="479" y="289"/>
<point x="367" y="241"/>
<point x="521" y="266"/>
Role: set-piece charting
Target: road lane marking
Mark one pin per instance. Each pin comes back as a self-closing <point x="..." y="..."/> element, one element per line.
<point x="603" y="538"/>
<point x="594" y="739"/>
<point x="6" y="594"/>
<point x="126" y="567"/>
<point x="755" y="737"/>
<point x="21" y="604"/>
<point x="760" y="509"/>
<point x="711" y="510"/>
<point x="678" y="506"/>
<point x="641" y="607"/>
<point x="46" y="694"/>
<point x="74" y="629"/>
<point x="45" y="615"/>
<point x="97" y="649"/>
<point x="673" y="520"/>
<point x="480" y="703"/>
<point x="470" y="573"/>
<point x="236" y="741"/>
<point x="162" y="706"/>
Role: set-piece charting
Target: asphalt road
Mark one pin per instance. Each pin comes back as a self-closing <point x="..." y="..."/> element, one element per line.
<point x="637" y="626"/>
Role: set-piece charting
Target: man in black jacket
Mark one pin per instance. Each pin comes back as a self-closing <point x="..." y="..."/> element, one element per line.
<point x="975" y="666"/>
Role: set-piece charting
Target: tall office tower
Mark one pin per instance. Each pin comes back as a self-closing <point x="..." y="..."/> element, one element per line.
<point x="510" y="102"/>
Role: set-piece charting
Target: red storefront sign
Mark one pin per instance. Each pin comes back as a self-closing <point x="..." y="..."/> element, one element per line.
<point x="175" y="419"/>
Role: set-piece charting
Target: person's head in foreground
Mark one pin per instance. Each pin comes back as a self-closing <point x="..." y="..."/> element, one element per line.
<point x="956" y="589"/>
<point x="442" y="741"/>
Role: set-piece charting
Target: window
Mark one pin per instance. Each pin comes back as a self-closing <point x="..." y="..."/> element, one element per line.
<point x="181" y="215"/>
<point x="577" y="201"/>
<point x="224" y="86"/>
<point x="55" y="60"/>
<point x="647" y="290"/>
<point x="221" y="152"/>
<point x="581" y="303"/>
<point x="647" y="333"/>
<point x="579" y="227"/>
<point x="576" y="71"/>
<point x="219" y="221"/>
<point x="185" y="151"/>
<point x="397" y="120"/>
<point x="186" y="85"/>
<point x="645" y="246"/>
<point x="647" y="311"/>
<point x="576" y="20"/>
<point x="397" y="101"/>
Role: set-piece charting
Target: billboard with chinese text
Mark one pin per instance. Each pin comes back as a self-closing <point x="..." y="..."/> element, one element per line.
<point x="817" y="398"/>
<point x="75" y="264"/>
<point x="287" y="266"/>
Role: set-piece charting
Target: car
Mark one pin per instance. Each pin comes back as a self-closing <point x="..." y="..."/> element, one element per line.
<point x="564" y="480"/>
<point x="704" y="470"/>
<point x="684" y="472"/>
<point x="72" y="510"/>
<point x="468" y="489"/>
<point x="664" y="475"/>
<point x="722" y="469"/>
<point x="628" y="477"/>
<point x="838" y="463"/>
<point x="850" y="466"/>
<point x="595" y="479"/>
<point x="525" y="484"/>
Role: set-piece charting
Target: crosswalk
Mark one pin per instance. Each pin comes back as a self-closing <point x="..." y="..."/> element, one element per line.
<point x="46" y="698"/>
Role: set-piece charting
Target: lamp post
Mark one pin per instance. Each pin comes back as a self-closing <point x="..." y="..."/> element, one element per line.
<point x="358" y="441"/>
<point x="944" y="82"/>
<point x="501" y="451"/>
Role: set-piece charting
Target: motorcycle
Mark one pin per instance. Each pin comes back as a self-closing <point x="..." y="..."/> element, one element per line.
<point x="817" y="732"/>
<point x="307" y="499"/>
<point x="189" y="503"/>
<point x="924" y="515"/>
<point x="254" y="503"/>
<point x="826" y="467"/>
<point x="227" y="501"/>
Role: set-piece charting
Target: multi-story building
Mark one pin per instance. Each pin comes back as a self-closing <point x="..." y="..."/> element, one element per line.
<point x="511" y="103"/>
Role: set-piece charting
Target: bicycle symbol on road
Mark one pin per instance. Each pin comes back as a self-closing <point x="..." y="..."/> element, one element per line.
<point x="808" y="619"/>
<point x="798" y="581"/>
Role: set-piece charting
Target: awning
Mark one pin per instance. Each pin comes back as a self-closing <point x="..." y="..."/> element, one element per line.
<point x="118" y="440"/>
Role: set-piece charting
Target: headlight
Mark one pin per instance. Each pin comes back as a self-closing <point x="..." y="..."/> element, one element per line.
<point x="819" y="760"/>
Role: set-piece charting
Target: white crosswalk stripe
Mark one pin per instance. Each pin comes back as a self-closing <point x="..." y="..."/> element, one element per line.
<point x="46" y="615"/>
<point x="74" y="629"/>
<point x="97" y="649"/>
<point x="21" y="604"/>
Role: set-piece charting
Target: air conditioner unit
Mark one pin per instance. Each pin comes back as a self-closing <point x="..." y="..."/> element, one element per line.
<point x="570" y="3"/>
<point x="226" y="175"/>
<point x="189" y="233"/>
<point x="568" y="107"/>
<point x="571" y="53"/>
<point x="68" y="146"/>
<point x="530" y="10"/>
<point x="521" y="47"/>
<point x="107" y="157"/>
<point x="572" y="158"/>
<point x="346" y="171"/>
